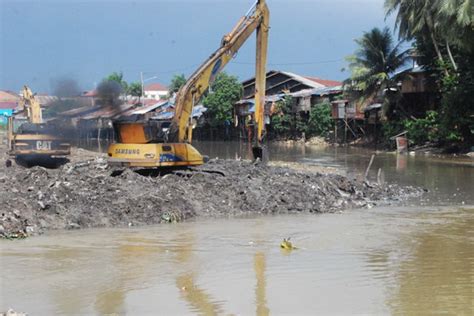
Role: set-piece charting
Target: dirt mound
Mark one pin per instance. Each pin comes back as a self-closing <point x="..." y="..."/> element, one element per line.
<point x="88" y="193"/>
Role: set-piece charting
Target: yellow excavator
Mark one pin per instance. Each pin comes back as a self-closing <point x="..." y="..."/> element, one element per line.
<point x="31" y="141"/>
<point x="154" y="143"/>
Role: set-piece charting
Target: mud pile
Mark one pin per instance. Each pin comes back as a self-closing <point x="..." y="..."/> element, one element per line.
<point x="84" y="194"/>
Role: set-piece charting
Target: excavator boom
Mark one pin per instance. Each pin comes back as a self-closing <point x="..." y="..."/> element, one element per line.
<point x="256" y="19"/>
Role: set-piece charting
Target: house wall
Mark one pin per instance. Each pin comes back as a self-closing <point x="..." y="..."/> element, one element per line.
<point x="416" y="83"/>
<point x="155" y="94"/>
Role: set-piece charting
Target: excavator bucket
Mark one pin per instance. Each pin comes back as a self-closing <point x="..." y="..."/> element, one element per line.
<point x="260" y="153"/>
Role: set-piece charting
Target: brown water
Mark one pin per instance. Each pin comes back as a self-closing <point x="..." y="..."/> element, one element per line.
<point x="413" y="259"/>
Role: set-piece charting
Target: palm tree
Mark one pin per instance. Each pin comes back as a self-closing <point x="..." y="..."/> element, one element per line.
<point x="462" y="10"/>
<point x="415" y="17"/>
<point x="375" y="61"/>
<point x="457" y="17"/>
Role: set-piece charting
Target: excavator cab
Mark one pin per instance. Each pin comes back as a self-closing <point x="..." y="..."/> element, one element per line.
<point x="145" y="144"/>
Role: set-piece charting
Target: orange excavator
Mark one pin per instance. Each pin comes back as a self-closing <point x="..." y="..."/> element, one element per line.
<point x="152" y="143"/>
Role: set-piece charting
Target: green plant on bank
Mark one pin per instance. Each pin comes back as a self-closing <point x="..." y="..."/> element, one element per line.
<point x="135" y="89"/>
<point x="288" y="124"/>
<point x="225" y="91"/>
<point x="283" y="119"/>
<point x="442" y="32"/>
<point x="422" y="130"/>
<point x="389" y="130"/>
<point x="117" y="77"/>
<point x="176" y="83"/>
<point x="320" y="121"/>
<point x="376" y="59"/>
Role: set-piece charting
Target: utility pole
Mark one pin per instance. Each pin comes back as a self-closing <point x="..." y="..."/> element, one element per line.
<point x="143" y="81"/>
<point x="141" y="78"/>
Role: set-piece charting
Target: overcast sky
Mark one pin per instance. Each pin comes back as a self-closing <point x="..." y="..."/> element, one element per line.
<point x="43" y="41"/>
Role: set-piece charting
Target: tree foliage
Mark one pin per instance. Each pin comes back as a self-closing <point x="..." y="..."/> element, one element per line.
<point x="286" y="123"/>
<point x="135" y="89"/>
<point x="320" y="121"/>
<point x="226" y="90"/>
<point x="375" y="60"/>
<point x="423" y="129"/>
<point x="443" y="34"/>
<point x="176" y="83"/>
<point x="118" y="77"/>
<point x="283" y="120"/>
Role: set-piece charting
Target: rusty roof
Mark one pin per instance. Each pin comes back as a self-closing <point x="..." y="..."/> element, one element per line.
<point x="325" y="82"/>
<point x="108" y="111"/>
<point x="155" y="87"/>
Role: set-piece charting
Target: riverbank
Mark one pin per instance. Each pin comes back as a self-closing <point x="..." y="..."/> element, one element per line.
<point x="428" y="149"/>
<point x="87" y="193"/>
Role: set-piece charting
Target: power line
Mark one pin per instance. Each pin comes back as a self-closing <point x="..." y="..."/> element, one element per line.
<point x="238" y="63"/>
<point x="293" y="63"/>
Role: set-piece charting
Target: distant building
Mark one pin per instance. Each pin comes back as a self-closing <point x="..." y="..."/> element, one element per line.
<point x="287" y="82"/>
<point x="418" y="91"/>
<point x="306" y="91"/>
<point x="155" y="91"/>
<point x="8" y="103"/>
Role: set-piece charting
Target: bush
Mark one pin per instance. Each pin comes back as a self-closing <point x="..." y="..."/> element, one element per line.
<point x="283" y="121"/>
<point x="226" y="90"/>
<point x="423" y="130"/>
<point x="320" y="121"/>
<point x="390" y="129"/>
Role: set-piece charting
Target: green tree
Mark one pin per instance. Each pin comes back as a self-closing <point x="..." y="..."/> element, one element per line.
<point x="118" y="77"/>
<point x="320" y="120"/>
<point x="135" y="89"/>
<point x="442" y="30"/>
<point x="176" y="83"/>
<point x="442" y="22"/>
<point x="226" y="90"/>
<point x="417" y="16"/>
<point x="375" y="60"/>
<point x="423" y="129"/>
<point x="283" y="121"/>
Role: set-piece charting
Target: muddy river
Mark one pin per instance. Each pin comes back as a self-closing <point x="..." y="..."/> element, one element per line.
<point x="416" y="258"/>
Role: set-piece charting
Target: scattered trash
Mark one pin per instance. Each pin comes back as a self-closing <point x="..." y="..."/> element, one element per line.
<point x="11" y="312"/>
<point x="287" y="245"/>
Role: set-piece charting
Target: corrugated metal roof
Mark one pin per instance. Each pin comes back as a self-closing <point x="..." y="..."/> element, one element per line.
<point x="108" y="112"/>
<point x="145" y="109"/>
<point x="303" y="80"/>
<point x="45" y="100"/>
<point x="198" y="110"/>
<point x="8" y="96"/>
<point x="325" y="82"/>
<point x="306" y="80"/>
<point x="298" y="94"/>
<point x="80" y="111"/>
<point x="8" y="105"/>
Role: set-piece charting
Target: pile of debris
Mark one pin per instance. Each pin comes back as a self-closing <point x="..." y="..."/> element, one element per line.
<point x="88" y="193"/>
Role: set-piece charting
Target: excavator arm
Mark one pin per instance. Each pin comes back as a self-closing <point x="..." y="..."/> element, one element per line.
<point x="32" y="107"/>
<point x="257" y="19"/>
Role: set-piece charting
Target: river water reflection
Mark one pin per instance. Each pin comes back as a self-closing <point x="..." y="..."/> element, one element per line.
<point x="411" y="259"/>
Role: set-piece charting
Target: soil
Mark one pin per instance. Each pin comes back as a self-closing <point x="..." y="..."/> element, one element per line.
<point x="86" y="193"/>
